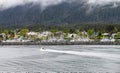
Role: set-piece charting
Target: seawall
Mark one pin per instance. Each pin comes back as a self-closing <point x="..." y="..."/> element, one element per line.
<point x="60" y="43"/>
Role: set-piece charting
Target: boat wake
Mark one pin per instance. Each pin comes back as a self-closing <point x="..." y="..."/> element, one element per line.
<point x="88" y="54"/>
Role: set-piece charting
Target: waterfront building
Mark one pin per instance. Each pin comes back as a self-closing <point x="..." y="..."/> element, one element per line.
<point x="45" y="34"/>
<point x="108" y="38"/>
<point x="32" y="34"/>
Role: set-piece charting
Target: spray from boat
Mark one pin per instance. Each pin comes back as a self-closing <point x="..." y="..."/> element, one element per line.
<point x="88" y="54"/>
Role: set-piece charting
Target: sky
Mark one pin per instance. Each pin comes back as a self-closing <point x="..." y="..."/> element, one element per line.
<point x="5" y="4"/>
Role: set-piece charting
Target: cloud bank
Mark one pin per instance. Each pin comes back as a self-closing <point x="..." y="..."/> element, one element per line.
<point x="5" y="4"/>
<point x="102" y="2"/>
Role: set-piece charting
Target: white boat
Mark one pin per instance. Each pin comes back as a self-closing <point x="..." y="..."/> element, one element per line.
<point x="42" y="49"/>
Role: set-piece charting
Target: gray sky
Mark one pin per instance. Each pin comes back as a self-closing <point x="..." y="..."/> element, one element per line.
<point x="4" y="4"/>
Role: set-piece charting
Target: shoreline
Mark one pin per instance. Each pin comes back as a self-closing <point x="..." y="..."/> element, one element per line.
<point x="60" y="43"/>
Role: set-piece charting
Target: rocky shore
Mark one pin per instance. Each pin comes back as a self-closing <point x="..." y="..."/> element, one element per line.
<point x="60" y="43"/>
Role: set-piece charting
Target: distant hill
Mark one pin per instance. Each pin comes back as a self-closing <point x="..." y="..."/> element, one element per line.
<point x="64" y="13"/>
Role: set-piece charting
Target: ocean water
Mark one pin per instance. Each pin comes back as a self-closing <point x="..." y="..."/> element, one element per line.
<point x="60" y="58"/>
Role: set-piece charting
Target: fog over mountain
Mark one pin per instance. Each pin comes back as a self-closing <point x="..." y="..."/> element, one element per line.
<point x="59" y="11"/>
<point x="4" y="4"/>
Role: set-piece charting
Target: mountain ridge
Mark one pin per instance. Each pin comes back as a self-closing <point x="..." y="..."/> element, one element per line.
<point x="63" y="13"/>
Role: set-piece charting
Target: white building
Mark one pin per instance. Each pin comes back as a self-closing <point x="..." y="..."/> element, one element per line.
<point x="32" y="34"/>
<point x="108" y="38"/>
<point x="45" y="34"/>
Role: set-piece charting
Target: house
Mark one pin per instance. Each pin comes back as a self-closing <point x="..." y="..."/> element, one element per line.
<point x="108" y="38"/>
<point x="106" y="35"/>
<point x="32" y="34"/>
<point x="73" y="35"/>
<point x="52" y="39"/>
<point x="84" y="35"/>
<point x="45" y="34"/>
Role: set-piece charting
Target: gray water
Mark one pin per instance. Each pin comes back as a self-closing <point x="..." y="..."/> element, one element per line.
<point x="72" y="58"/>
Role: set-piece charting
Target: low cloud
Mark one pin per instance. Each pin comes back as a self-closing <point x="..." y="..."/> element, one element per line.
<point x="102" y="2"/>
<point x="5" y="4"/>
